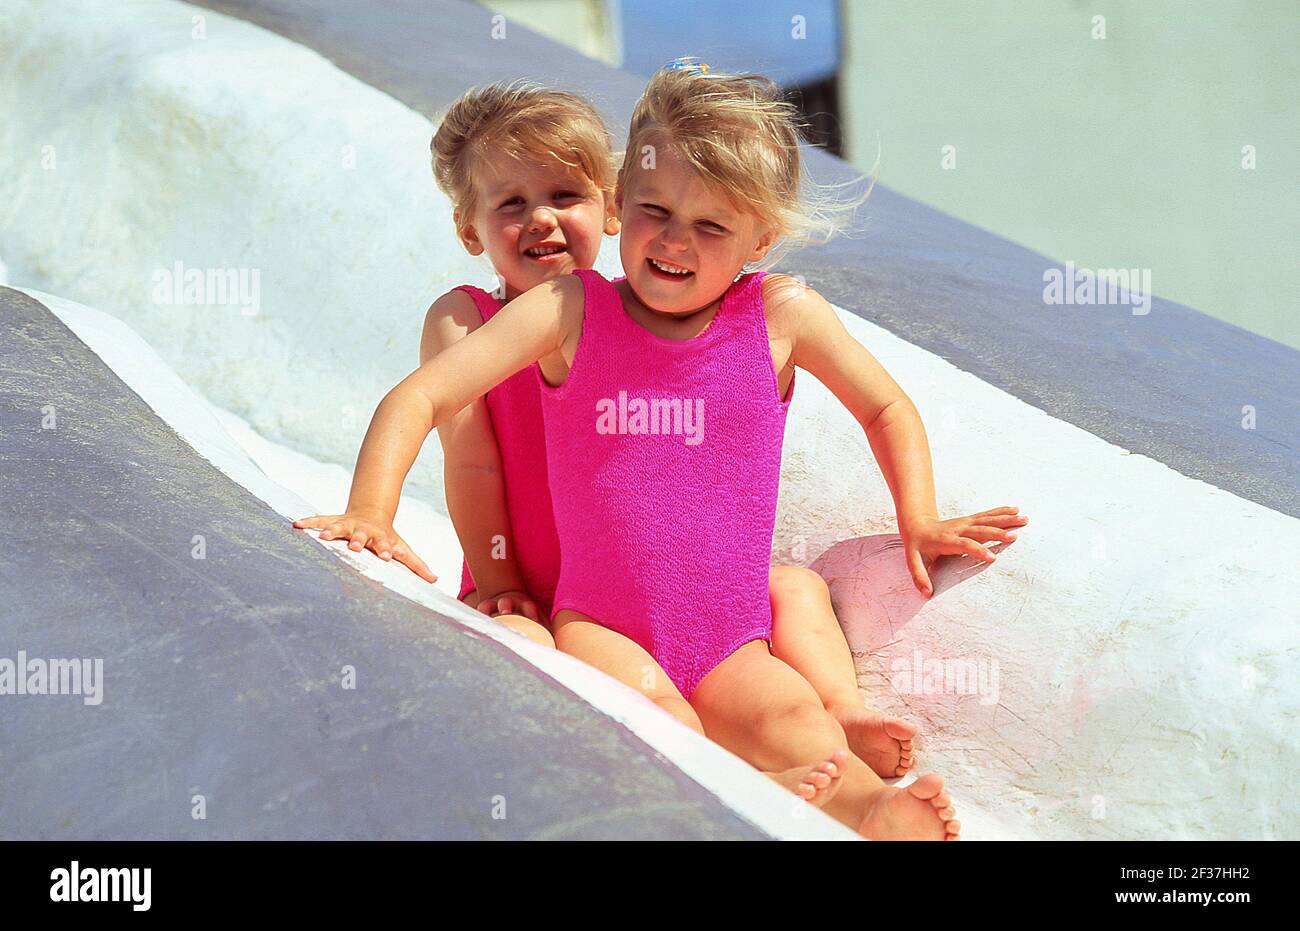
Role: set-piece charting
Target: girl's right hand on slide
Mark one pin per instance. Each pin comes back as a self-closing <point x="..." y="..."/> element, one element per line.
<point x="372" y="532"/>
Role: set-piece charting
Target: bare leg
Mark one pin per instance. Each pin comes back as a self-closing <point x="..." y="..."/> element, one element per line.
<point x="763" y="711"/>
<point x="625" y="660"/>
<point x="517" y="622"/>
<point x="807" y="636"/>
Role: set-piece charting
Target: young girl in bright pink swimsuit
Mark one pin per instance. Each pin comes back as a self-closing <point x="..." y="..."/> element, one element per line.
<point x="664" y="396"/>
<point x="666" y="500"/>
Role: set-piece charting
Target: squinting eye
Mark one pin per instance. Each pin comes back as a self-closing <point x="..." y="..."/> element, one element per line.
<point x="512" y="201"/>
<point x="567" y="194"/>
<point x="714" y="228"/>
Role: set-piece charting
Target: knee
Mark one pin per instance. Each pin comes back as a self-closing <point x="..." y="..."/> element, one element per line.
<point x="566" y="639"/>
<point x="656" y="686"/>
<point x="803" y="717"/>
<point x="528" y="627"/>
<point x="797" y="582"/>
<point x="680" y="709"/>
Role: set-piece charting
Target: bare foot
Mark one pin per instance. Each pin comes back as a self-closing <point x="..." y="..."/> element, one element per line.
<point x="815" y="784"/>
<point x="921" y="811"/>
<point x="882" y="742"/>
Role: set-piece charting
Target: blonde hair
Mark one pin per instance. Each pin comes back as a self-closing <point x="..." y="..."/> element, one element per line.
<point x="743" y="139"/>
<point x="520" y="120"/>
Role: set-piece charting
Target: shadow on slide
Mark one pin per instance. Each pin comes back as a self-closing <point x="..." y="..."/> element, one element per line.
<point x="873" y="592"/>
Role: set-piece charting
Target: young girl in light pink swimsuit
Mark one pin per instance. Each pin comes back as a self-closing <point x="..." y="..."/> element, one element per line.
<point x="710" y="182"/>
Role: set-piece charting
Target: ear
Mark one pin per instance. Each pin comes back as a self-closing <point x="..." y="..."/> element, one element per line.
<point x="468" y="235"/>
<point x="612" y="222"/>
<point x="765" y="242"/>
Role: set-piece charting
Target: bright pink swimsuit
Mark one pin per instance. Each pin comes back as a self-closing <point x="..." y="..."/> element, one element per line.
<point x="665" y="458"/>
<point x="516" y="410"/>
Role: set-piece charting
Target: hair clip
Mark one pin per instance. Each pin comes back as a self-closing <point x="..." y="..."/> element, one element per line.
<point x="688" y="63"/>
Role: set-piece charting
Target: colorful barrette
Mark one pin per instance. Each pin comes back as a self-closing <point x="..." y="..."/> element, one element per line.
<point x="689" y="64"/>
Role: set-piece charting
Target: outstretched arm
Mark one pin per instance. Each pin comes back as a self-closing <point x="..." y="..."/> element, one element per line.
<point x="532" y="326"/>
<point x="529" y="327"/>
<point x="473" y="475"/>
<point x="822" y="345"/>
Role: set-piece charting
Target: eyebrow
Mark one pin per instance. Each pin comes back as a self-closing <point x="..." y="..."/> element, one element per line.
<point x="512" y="187"/>
<point x="724" y="214"/>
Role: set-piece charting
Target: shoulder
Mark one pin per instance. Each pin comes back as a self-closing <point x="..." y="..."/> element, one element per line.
<point x="455" y="306"/>
<point x="451" y="317"/>
<point x="566" y="294"/>
<point x="550" y="311"/>
<point x="561" y="293"/>
<point x="581" y="281"/>
<point x="791" y="307"/>
<point x="569" y="295"/>
<point x="780" y="291"/>
<point x="575" y="283"/>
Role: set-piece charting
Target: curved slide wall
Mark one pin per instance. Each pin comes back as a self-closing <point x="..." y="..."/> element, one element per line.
<point x="1128" y="654"/>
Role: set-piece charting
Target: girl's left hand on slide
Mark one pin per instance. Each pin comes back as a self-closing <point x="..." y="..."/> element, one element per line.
<point x="925" y="539"/>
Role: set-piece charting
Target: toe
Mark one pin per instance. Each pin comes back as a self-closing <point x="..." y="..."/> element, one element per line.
<point x="926" y="786"/>
<point x="899" y="729"/>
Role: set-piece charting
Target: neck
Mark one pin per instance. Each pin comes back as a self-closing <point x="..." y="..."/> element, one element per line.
<point x="680" y="317"/>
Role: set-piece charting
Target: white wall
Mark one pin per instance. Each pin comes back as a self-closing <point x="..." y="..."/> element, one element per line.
<point x="1116" y="152"/>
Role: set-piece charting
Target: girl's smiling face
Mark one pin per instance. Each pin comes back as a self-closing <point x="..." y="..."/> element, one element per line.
<point x="536" y="221"/>
<point x="682" y="243"/>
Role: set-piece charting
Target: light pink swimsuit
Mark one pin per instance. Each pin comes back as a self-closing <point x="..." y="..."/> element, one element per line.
<point x="664" y="458"/>
<point x="516" y="410"/>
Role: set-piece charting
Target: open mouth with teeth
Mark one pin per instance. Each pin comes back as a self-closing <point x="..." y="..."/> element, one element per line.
<point x="546" y="252"/>
<point x="667" y="271"/>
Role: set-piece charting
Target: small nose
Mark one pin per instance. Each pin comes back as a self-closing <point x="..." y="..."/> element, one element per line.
<point x="542" y="218"/>
<point x="673" y="236"/>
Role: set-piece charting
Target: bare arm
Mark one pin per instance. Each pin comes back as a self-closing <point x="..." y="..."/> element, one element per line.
<point x="529" y="328"/>
<point x="822" y="345"/>
<point x="472" y="468"/>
